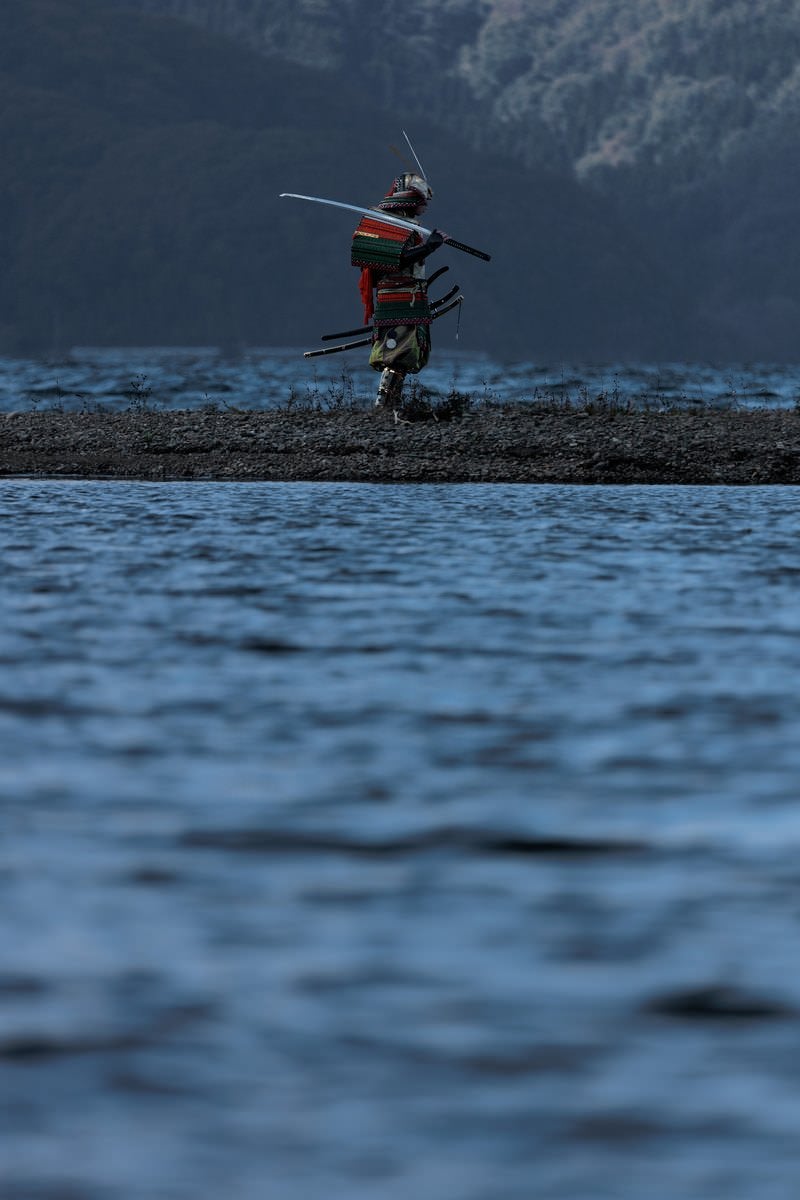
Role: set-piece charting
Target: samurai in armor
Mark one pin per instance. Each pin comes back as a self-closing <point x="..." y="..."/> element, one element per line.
<point x="393" y="286"/>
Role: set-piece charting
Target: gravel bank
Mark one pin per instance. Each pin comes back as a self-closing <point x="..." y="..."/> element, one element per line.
<point x="508" y="445"/>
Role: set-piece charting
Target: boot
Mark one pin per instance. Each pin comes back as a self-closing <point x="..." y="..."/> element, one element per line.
<point x="390" y="388"/>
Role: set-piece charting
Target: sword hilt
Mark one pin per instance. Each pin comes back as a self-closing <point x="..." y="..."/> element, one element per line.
<point x="448" y="241"/>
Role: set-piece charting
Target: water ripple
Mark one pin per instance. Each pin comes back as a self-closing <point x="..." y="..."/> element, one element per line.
<point x="435" y="841"/>
<point x="175" y="378"/>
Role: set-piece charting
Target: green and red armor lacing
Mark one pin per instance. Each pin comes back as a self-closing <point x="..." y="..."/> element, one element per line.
<point x="401" y="298"/>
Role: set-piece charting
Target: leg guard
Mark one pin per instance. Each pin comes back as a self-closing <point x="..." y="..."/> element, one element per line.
<point x="390" y="388"/>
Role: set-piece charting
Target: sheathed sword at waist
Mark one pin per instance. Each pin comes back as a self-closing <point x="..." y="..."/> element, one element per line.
<point x="435" y="306"/>
<point x="368" y="340"/>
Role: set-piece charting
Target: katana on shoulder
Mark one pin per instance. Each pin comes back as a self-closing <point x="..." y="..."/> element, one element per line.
<point x="379" y="215"/>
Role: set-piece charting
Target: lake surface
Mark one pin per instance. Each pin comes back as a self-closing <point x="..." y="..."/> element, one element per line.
<point x="265" y="378"/>
<point x="370" y="841"/>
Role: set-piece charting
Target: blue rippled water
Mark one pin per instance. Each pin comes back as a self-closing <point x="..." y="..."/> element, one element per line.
<point x="434" y="841"/>
<point x="189" y="378"/>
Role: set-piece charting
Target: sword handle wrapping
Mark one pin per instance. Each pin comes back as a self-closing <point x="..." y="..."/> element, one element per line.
<point x="448" y="241"/>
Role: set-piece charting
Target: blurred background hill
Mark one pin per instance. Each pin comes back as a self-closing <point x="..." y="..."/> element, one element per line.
<point x="631" y="167"/>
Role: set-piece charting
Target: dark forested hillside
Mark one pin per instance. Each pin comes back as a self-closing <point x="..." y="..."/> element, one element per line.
<point x="682" y="113"/>
<point x="141" y="162"/>
<point x="630" y="165"/>
<point x="665" y="90"/>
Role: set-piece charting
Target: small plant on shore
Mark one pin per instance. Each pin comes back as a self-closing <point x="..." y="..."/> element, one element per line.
<point x="488" y="397"/>
<point x="338" y="395"/>
<point x="57" y="403"/>
<point x="732" y="394"/>
<point x="139" y="394"/>
<point x="415" y="404"/>
<point x="311" y="401"/>
<point x="609" y="402"/>
<point x="420" y="404"/>
<point x="342" y="393"/>
<point x="88" y="406"/>
<point x="454" y="406"/>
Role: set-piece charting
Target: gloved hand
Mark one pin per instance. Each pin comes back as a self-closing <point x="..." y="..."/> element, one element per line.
<point x="420" y="253"/>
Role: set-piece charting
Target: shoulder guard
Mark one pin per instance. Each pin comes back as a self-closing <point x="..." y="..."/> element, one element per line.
<point x="380" y="245"/>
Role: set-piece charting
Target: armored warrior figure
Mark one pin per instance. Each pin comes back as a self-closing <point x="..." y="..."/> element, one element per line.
<point x="393" y="286"/>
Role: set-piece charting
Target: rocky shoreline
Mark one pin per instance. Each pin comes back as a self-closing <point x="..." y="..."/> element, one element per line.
<point x="508" y="444"/>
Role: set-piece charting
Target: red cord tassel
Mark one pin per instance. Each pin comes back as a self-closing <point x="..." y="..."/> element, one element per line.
<point x="365" y="286"/>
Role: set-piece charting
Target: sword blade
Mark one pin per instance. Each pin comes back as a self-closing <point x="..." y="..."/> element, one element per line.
<point x="377" y="215"/>
<point x="367" y="212"/>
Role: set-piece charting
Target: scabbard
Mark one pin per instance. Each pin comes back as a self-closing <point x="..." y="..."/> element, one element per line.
<point x="338" y="349"/>
<point x="436" y="274"/>
<point x="437" y="304"/>
<point x="443" y="311"/>
<point x="440" y="312"/>
<point x="331" y="337"/>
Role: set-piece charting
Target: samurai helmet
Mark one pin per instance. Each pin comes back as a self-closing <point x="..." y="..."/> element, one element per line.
<point x="408" y="192"/>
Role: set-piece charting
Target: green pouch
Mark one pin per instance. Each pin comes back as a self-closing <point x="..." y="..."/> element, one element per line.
<point x="405" y="348"/>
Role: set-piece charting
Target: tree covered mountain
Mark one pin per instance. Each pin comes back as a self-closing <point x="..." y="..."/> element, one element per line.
<point x="141" y="164"/>
<point x="629" y="166"/>
<point x="681" y="113"/>
<point x="667" y="91"/>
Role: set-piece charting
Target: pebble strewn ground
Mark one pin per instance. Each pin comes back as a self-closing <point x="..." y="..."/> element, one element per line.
<point x="509" y="444"/>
